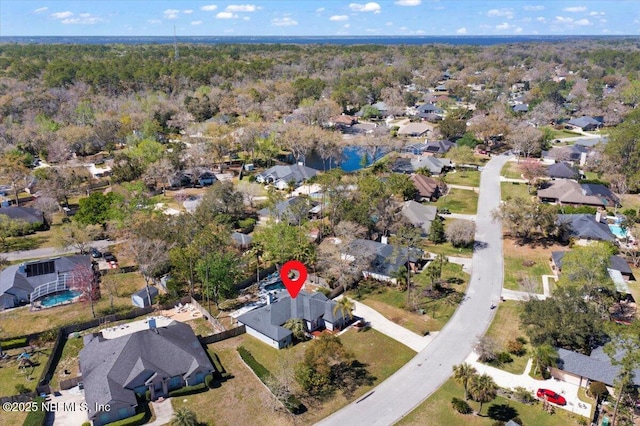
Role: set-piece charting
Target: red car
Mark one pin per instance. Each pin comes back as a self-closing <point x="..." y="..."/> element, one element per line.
<point x="551" y="396"/>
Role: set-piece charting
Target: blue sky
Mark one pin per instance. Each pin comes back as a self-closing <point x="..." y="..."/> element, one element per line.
<point x="304" y="17"/>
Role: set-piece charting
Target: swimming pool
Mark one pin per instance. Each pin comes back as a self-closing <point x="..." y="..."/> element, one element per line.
<point x="59" y="298"/>
<point x="278" y="285"/>
<point x="618" y="231"/>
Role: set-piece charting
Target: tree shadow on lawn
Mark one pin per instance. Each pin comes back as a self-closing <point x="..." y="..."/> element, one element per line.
<point x="502" y="412"/>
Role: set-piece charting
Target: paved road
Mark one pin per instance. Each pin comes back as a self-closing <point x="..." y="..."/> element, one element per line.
<point x="427" y="371"/>
<point x="51" y="251"/>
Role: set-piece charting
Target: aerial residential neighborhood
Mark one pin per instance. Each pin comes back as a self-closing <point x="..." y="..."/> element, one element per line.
<point x="467" y="217"/>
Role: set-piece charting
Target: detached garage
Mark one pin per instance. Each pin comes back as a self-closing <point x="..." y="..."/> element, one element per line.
<point x="141" y="298"/>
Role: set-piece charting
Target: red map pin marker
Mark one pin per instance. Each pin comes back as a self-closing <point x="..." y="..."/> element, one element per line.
<point x="294" y="284"/>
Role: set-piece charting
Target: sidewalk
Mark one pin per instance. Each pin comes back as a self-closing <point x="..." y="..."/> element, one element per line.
<point x="380" y="323"/>
<point x="509" y="380"/>
<point x="163" y="411"/>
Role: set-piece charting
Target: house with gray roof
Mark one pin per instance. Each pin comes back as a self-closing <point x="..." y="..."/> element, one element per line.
<point x="616" y="263"/>
<point x="31" y="281"/>
<point x="30" y="215"/>
<point x="572" y="153"/>
<point x="414" y="129"/>
<point x="439" y="147"/>
<point x="386" y="258"/>
<point x="282" y="176"/>
<point x="419" y="215"/>
<point x="412" y="165"/>
<point x="584" y="123"/>
<point x="584" y="228"/>
<point x="157" y="360"/>
<point x="570" y="192"/>
<point x="579" y="369"/>
<point x="562" y="170"/>
<point x="292" y="210"/>
<point x="266" y="323"/>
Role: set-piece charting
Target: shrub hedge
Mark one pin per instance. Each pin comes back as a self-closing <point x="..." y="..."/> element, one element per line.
<point x="136" y="420"/>
<point x="36" y="418"/>
<point x="20" y="342"/>
<point x="189" y="390"/>
<point x="461" y="406"/>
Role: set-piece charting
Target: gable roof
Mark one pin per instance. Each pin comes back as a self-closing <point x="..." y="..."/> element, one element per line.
<point x="568" y="153"/>
<point x="562" y="170"/>
<point x="269" y="319"/>
<point x="112" y="368"/>
<point x="419" y="215"/>
<point x="592" y="367"/>
<point x="411" y="165"/>
<point x="294" y="172"/>
<point x="568" y="191"/>
<point x="429" y="108"/>
<point x="386" y="258"/>
<point x="584" y="121"/>
<point x="414" y="129"/>
<point x="615" y="262"/>
<point x="584" y="226"/>
<point x="28" y="214"/>
<point x="439" y="147"/>
<point x="426" y="185"/>
<point x="283" y="210"/>
<point x="521" y="108"/>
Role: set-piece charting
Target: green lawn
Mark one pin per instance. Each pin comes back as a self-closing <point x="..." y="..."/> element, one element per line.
<point x="514" y="189"/>
<point x="561" y="134"/>
<point x="515" y="269"/>
<point x="459" y="201"/>
<point x="464" y="177"/>
<point x="11" y="375"/>
<point x="438" y="406"/>
<point x="511" y="171"/>
<point x="506" y="327"/>
<point x="446" y="249"/>
<point x="68" y="361"/>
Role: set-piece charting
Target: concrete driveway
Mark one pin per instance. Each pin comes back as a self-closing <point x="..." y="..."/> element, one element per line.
<point x="427" y="371"/>
<point x="68" y="409"/>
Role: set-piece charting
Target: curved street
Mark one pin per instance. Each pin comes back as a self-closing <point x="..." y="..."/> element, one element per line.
<point x="430" y="368"/>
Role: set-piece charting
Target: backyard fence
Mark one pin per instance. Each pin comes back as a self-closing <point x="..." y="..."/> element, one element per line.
<point x="224" y="335"/>
<point x="23" y="397"/>
<point x="214" y="322"/>
<point x="69" y="383"/>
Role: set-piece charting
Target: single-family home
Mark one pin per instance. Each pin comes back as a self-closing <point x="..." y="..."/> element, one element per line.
<point x="386" y="258"/>
<point x="425" y="109"/>
<point x="181" y="179"/>
<point x="141" y="297"/>
<point x="266" y="323"/>
<point x="439" y="147"/>
<point x="522" y="108"/>
<point x="293" y="210"/>
<point x="584" y="123"/>
<point x="241" y="240"/>
<point x="413" y="164"/>
<point x="572" y="153"/>
<point x="414" y="130"/>
<point x="30" y="281"/>
<point x="580" y="369"/>
<point x="207" y="178"/>
<point x="33" y="217"/>
<point x="419" y="215"/>
<point x="428" y="188"/>
<point x="570" y="192"/>
<point x="584" y="228"/>
<point x="157" y="359"/>
<point x="283" y="176"/>
<point x="562" y="170"/>
<point x="343" y="121"/>
<point x="616" y="263"/>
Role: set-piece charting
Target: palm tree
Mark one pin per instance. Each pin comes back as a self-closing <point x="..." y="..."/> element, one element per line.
<point x="400" y="275"/>
<point x="543" y="356"/>
<point x="345" y="307"/>
<point x="483" y="389"/>
<point x="462" y="374"/>
<point x="297" y="327"/>
<point x="184" y="417"/>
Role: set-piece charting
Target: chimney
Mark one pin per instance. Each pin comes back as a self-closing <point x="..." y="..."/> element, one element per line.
<point x="268" y="298"/>
<point x="598" y="216"/>
<point x="384" y="239"/>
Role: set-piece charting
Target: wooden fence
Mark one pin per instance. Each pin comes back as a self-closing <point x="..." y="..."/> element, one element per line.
<point x="69" y="383"/>
<point x="224" y="335"/>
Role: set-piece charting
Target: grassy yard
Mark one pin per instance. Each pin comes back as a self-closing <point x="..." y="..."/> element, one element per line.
<point x="511" y="170"/>
<point x="12" y="323"/>
<point x="514" y="189"/>
<point x="630" y="201"/>
<point x="68" y="361"/>
<point x="446" y="249"/>
<point x="561" y="134"/>
<point x="243" y="399"/>
<point x="515" y="267"/>
<point x="464" y="177"/>
<point x="459" y="201"/>
<point x="438" y="406"/>
<point x="506" y="327"/>
<point x="11" y="375"/>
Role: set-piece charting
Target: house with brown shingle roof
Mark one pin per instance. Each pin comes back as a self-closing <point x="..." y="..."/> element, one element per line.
<point x="570" y="192"/>
<point x="428" y="188"/>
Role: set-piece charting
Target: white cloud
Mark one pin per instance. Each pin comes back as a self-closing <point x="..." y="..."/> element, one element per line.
<point x="320" y="9"/>
<point x="171" y="13"/>
<point x="518" y="30"/>
<point x="369" y="7"/>
<point x="187" y="11"/>
<point x="541" y="19"/>
<point x="534" y="8"/>
<point x="209" y="8"/>
<point x="226" y="15"/>
<point x="346" y="25"/>
<point x="503" y="26"/>
<point x="339" y="18"/>
<point x="62" y="15"/>
<point x="284" y="22"/>
<point x="81" y="19"/>
<point x="596" y="13"/>
<point x="575" y="9"/>
<point x="582" y="22"/>
<point x="41" y="9"/>
<point x="196" y="22"/>
<point x="462" y="30"/>
<point x="408" y="2"/>
<point x="563" y="20"/>
<point x="508" y="13"/>
<point x="246" y="18"/>
<point x="242" y="8"/>
<point x="154" y="21"/>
